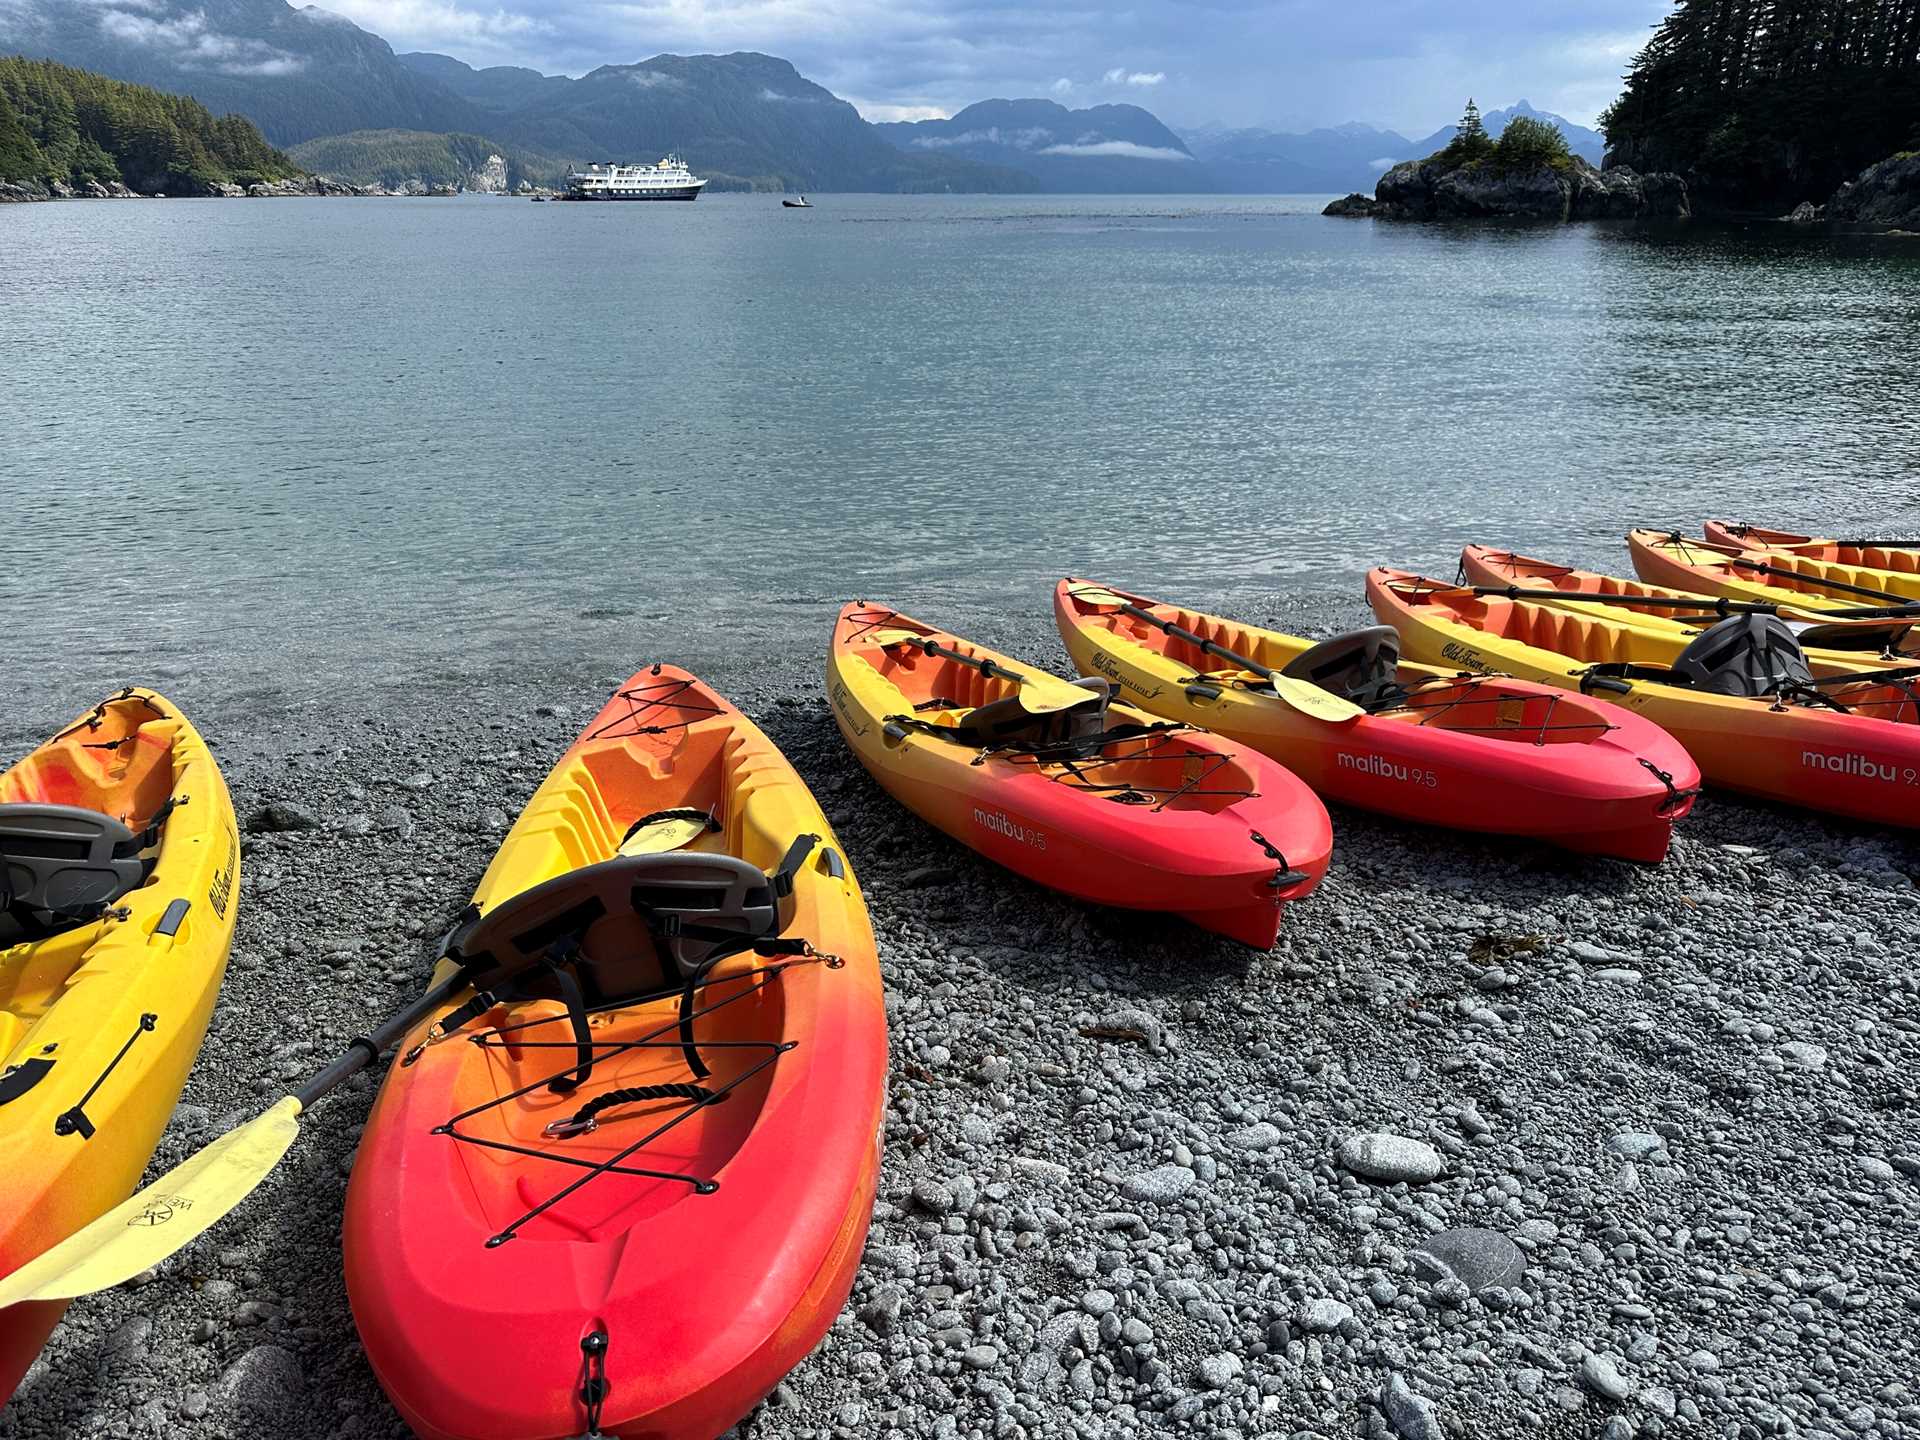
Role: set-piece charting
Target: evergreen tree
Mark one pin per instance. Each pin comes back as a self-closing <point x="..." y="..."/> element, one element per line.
<point x="1765" y="102"/>
<point x="1470" y="139"/>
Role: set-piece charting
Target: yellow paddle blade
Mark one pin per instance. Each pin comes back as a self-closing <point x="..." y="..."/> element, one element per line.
<point x="662" y="836"/>
<point x="1046" y="694"/>
<point x="1100" y="595"/>
<point x="1309" y="699"/>
<point x="884" y="638"/>
<point x="162" y="1219"/>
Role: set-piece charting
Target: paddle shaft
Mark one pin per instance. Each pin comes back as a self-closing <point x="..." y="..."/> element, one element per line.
<point x="985" y="667"/>
<point x="1740" y="562"/>
<point x="366" y="1049"/>
<point x="1180" y="632"/>
<point x="1719" y="605"/>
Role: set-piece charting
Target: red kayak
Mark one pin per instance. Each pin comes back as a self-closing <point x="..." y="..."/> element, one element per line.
<point x="1423" y="743"/>
<point x="1053" y="781"/>
<point x="623" y="1186"/>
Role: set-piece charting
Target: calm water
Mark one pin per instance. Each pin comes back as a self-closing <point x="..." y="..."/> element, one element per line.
<point x="329" y="439"/>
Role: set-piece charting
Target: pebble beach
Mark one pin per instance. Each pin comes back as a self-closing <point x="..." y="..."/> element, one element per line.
<point x="1495" y="1141"/>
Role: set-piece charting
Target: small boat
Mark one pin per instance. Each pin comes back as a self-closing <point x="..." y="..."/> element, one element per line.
<point x="801" y="204"/>
<point x="632" y="1190"/>
<point x="1903" y="555"/>
<point x="1048" y="778"/>
<point x="1428" y="744"/>
<point x="1753" y="712"/>
<point x="540" y="199"/>
<point x="1861" y="644"/>
<point x="1661" y="557"/>
<point x="120" y="863"/>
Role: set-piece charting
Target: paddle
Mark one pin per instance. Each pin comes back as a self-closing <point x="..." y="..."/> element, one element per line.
<point x="1303" y="695"/>
<point x="1735" y="559"/>
<point x="1718" y="605"/>
<point x="1040" y="694"/>
<point x="172" y="1212"/>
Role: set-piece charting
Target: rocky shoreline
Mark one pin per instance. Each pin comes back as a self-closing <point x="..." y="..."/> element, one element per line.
<point x="1494" y="1140"/>
<point x="306" y="186"/>
<point x="1433" y="189"/>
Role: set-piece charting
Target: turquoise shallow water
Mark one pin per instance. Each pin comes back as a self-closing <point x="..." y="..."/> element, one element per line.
<point x="314" y="440"/>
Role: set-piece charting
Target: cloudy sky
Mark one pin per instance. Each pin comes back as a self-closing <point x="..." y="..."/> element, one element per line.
<point x="1407" y="64"/>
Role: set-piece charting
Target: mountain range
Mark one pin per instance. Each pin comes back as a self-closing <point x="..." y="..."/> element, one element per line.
<point x="745" y="120"/>
<point x="1343" y="157"/>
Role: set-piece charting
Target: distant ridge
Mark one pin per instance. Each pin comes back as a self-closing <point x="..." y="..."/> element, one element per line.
<point x="1103" y="148"/>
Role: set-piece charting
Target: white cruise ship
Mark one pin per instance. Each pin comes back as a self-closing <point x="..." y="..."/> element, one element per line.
<point x="669" y="180"/>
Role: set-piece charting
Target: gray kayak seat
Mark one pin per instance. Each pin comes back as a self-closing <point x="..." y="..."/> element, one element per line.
<point x="1361" y="666"/>
<point x="1002" y="721"/>
<point x="60" y="867"/>
<point x="641" y="923"/>
<point x="1750" y="655"/>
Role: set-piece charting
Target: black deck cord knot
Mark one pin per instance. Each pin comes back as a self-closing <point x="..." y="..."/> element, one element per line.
<point x="1286" y="875"/>
<point x="593" y="1378"/>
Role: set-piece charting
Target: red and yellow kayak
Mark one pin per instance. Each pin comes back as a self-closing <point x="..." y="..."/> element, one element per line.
<point x="642" y="1247"/>
<point x="1128" y="812"/>
<point x="1663" y="558"/>
<point x="1899" y="555"/>
<point x="1469" y="752"/>
<point x="123" y="826"/>
<point x="1861" y="645"/>
<point x="1851" y="748"/>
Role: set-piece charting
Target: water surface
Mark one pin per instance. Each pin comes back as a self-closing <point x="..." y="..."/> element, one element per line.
<point x="328" y="441"/>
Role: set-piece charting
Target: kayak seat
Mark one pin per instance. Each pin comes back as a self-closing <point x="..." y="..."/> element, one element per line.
<point x="1750" y="655"/>
<point x="1008" y="721"/>
<point x="637" y="927"/>
<point x="1361" y="666"/>
<point x="630" y="926"/>
<point x="61" y="867"/>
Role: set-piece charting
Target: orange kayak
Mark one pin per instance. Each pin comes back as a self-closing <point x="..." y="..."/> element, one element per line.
<point x="625" y="1203"/>
<point x="1864" y="645"/>
<point x="1663" y="558"/>
<point x="1900" y="555"/>
<point x="1100" y="801"/>
<point x="1756" y="719"/>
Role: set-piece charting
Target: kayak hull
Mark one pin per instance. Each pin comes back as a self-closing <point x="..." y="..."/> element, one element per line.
<point x="1900" y="558"/>
<point x="1864" y="766"/>
<point x="706" y="1297"/>
<point x="1536" y="764"/>
<point x="1246" y="838"/>
<point x="1482" y="565"/>
<point x="1813" y="583"/>
<point x="80" y="996"/>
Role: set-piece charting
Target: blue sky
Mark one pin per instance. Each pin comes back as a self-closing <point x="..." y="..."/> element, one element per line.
<point x="1287" y="64"/>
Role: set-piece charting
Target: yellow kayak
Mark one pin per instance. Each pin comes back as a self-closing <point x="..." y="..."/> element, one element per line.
<point x="1663" y="558"/>
<point x="1863" y="645"/>
<point x="119" y="878"/>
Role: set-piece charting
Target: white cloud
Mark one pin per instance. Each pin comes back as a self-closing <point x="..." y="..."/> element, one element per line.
<point x="443" y="25"/>
<point x="878" y="114"/>
<point x="1150" y="77"/>
<point x="652" y="79"/>
<point x="1116" y="76"/>
<point x="1385" y="162"/>
<point x="190" y="42"/>
<point x="1062" y="86"/>
<point x="1123" y="148"/>
<point x="1029" y="139"/>
<point x="313" y="13"/>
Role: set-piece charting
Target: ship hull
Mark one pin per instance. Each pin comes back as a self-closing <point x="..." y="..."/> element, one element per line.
<point x="688" y="192"/>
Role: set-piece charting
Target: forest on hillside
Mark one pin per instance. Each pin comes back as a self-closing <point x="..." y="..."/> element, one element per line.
<point x="1765" y="102"/>
<point x="59" y="125"/>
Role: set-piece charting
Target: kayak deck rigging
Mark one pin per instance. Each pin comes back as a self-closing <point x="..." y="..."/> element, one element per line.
<point x="686" y="1096"/>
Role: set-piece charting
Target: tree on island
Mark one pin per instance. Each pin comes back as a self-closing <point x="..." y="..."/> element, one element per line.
<point x="1470" y="139"/>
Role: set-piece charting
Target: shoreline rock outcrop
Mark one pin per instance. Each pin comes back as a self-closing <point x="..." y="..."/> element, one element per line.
<point x="1574" y="190"/>
<point x="1887" y="193"/>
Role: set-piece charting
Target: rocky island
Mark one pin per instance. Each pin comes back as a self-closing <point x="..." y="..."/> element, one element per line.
<point x="1527" y="174"/>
